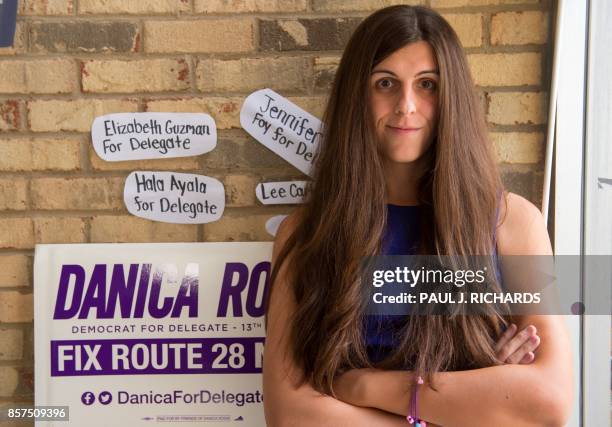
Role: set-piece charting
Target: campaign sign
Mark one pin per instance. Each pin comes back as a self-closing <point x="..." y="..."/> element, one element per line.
<point x="137" y="136"/>
<point x="8" y="18"/>
<point x="135" y="334"/>
<point x="181" y="198"/>
<point x="283" y="127"/>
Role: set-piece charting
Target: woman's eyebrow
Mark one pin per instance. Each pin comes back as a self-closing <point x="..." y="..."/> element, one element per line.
<point x="417" y="74"/>
<point x="436" y="72"/>
<point x="384" y="71"/>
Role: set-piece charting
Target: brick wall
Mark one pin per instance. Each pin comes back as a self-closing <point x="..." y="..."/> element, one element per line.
<point x="76" y="59"/>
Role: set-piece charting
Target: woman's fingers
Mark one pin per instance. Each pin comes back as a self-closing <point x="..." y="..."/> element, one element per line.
<point x="506" y="337"/>
<point x="514" y="349"/>
<point x="528" y="346"/>
<point x="528" y="358"/>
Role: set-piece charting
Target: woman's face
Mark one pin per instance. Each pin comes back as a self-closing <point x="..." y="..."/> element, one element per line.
<point x="404" y="102"/>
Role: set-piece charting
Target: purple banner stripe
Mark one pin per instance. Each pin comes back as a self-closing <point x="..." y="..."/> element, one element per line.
<point x="157" y="356"/>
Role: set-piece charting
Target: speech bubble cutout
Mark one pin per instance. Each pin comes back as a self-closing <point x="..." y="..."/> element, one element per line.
<point x="181" y="198"/>
<point x="273" y="223"/>
<point x="138" y="136"/>
<point x="281" y="193"/>
<point x="283" y="127"/>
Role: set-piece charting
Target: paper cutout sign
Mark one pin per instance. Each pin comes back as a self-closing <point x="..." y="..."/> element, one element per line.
<point x="138" y="136"/>
<point x="283" y="127"/>
<point x="181" y="198"/>
<point x="273" y="223"/>
<point x="281" y="193"/>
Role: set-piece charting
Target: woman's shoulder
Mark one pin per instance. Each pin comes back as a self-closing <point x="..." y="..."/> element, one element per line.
<point x="285" y="230"/>
<point x="516" y="209"/>
<point x="288" y="225"/>
<point x="521" y="227"/>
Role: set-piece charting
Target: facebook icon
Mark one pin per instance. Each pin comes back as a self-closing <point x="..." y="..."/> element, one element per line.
<point x="88" y="398"/>
<point x="8" y="16"/>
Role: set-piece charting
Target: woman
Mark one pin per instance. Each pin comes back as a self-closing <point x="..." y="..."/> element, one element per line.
<point x="405" y="167"/>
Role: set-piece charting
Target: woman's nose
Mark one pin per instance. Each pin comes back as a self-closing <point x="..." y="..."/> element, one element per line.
<point x="407" y="102"/>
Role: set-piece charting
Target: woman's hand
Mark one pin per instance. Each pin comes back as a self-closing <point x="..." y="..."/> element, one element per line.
<point x="517" y="348"/>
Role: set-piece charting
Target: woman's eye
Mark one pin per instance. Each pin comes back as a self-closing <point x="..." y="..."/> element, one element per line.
<point x="384" y="83"/>
<point x="428" y="84"/>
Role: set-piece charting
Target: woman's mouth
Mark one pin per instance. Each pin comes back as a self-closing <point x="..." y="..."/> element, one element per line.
<point x="403" y="130"/>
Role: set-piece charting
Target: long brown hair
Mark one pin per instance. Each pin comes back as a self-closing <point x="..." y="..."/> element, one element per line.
<point x="343" y="219"/>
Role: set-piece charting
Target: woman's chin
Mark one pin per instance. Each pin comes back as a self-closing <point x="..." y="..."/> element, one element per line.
<point x="407" y="158"/>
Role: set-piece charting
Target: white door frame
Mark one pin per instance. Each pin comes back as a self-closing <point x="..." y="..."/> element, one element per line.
<point x="597" y="211"/>
<point x="582" y="205"/>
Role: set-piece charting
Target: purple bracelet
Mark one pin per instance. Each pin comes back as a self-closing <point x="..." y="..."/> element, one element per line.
<point x="412" y="417"/>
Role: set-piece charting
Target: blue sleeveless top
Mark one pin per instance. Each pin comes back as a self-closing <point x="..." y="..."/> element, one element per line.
<point x="382" y="332"/>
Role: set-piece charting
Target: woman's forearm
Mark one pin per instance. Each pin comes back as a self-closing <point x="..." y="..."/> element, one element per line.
<point x="325" y="411"/>
<point x="500" y="395"/>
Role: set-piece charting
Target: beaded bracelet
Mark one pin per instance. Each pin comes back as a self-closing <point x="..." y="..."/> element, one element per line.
<point x="412" y="417"/>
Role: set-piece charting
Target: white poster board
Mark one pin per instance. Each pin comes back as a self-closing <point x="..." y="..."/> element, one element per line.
<point x="135" y="334"/>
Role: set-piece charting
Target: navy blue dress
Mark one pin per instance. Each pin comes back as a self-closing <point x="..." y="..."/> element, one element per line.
<point x="382" y="332"/>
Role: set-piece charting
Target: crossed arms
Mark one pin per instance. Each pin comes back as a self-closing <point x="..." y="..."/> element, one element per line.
<point x="536" y="394"/>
